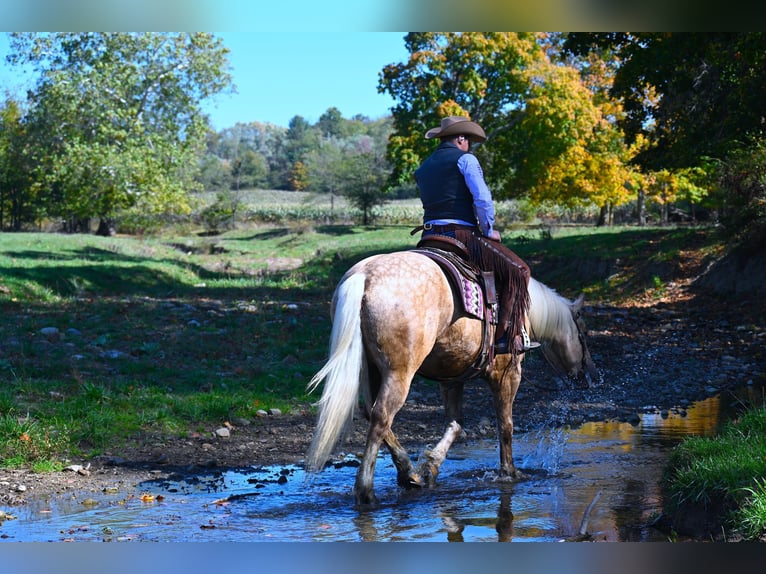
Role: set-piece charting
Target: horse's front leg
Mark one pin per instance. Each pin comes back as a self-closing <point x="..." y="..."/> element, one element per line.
<point x="504" y="383"/>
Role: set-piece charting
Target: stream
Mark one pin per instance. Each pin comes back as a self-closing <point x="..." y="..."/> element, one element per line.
<point x="598" y="482"/>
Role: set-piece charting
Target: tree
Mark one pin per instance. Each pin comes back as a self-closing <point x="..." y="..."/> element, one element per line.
<point x="117" y="117"/>
<point x="355" y="168"/>
<point x="473" y="74"/>
<point x="552" y="136"/>
<point x="254" y="149"/>
<point x="690" y="94"/>
<point x="299" y="140"/>
<point x="364" y="181"/>
<point x="17" y="196"/>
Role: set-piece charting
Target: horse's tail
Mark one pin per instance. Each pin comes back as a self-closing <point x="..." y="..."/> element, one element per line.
<point x="342" y="373"/>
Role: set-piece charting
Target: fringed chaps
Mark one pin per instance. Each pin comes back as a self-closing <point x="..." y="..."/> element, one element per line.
<point x="511" y="280"/>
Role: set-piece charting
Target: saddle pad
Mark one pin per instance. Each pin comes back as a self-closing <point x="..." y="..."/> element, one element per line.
<point x="473" y="298"/>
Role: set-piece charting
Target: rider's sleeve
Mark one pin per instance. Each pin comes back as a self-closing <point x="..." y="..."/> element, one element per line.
<point x="482" y="198"/>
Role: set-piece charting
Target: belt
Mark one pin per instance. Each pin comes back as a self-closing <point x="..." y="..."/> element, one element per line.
<point x="442" y="228"/>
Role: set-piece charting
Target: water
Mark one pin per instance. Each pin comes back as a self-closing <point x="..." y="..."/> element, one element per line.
<point x="613" y="468"/>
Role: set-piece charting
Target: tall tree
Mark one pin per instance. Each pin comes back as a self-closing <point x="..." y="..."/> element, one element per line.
<point x="539" y="114"/>
<point x="472" y="74"/>
<point x="118" y="116"/>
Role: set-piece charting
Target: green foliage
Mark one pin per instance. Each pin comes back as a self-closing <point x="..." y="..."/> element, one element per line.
<point x="220" y="215"/>
<point x="24" y="441"/>
<point x="116" y="118"/>
<point x="742" y="176"/>
<point x="691" y="94"/>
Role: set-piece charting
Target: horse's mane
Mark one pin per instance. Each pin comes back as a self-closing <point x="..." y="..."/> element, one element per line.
<point x="549" y="312"/>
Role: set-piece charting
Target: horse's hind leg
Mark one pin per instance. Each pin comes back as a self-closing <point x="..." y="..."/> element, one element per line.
<point x="452" y="397"/>
<point x="406" y="476"/>
<point x="389" y="400"/>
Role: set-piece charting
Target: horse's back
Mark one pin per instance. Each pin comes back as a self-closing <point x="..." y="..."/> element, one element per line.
<point x="407" y="303"/>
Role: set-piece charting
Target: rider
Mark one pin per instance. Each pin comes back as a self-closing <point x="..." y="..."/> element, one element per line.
<point x="458" y="203"/>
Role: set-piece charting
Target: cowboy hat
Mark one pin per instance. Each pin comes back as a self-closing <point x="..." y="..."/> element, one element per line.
<point x="458" y="126"/>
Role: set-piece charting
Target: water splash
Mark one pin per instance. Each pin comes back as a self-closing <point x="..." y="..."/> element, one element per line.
<point x="550" y="446"/>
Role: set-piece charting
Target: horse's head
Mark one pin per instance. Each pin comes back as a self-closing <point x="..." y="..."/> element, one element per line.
<point x="568" y="354"/>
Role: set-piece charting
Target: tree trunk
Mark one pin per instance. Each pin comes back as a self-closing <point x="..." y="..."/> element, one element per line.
<point x="602" y="216"/>
<point x="106" y="227"/>
<point x="641" y="208"/>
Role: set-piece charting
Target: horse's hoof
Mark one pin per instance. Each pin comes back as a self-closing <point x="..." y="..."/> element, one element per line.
<point x="430" y="473"/>
<point x="366" y="502"/>
<point x="411" y="481"/>
<point x="512" y="476"/>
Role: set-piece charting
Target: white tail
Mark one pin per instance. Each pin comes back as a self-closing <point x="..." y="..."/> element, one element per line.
<point x="342" y="373"/>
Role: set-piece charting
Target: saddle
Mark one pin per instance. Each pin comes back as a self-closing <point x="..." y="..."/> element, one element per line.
<point x="473" y="288"/>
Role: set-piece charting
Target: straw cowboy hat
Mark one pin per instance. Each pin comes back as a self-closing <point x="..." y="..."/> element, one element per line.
<point x="458" y="126"/>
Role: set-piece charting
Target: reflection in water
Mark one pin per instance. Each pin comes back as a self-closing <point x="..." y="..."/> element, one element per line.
<point x="599" y="482"/>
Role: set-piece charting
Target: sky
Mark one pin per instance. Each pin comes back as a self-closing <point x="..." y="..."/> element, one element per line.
<point x="279" y="75"/>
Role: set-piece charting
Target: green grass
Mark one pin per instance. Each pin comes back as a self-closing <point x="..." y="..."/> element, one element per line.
<point x="726" y="471"/>
<point x="176" y="333"/>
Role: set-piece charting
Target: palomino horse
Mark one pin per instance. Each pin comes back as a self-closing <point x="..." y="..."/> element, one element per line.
<point x="394" y="315"/>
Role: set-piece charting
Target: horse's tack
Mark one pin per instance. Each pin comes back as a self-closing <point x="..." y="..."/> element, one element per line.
<point x="476" y="291"/>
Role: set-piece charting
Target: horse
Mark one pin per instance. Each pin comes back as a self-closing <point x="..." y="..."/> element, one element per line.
<point x="395" y="315"/>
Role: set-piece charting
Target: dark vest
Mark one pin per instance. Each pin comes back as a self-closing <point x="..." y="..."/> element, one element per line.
<point x="443" y="190"/>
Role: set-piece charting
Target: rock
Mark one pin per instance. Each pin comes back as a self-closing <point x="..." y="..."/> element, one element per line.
<point x="114" y="354"/>
<point x="51" y="333"/>
<point x="223" y="432"/>
<point x="79" y="469"/>
<point x="275" y="412"/>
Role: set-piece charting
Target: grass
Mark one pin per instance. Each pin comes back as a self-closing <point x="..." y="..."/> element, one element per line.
<point x="725" y="472"/>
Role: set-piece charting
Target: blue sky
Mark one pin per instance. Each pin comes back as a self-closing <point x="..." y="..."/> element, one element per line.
<point x="283" y="74"/>
<point x="280" y="75"/>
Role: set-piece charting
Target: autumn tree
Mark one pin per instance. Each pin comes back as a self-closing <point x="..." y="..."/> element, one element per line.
<point x="550" y="137"/>
<point x="690" y="94"/>
<point x="117" y="117"/>
<point x="697" y="99"/>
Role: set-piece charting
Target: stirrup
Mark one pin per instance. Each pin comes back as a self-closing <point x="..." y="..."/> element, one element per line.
<point x="527" y="343"/>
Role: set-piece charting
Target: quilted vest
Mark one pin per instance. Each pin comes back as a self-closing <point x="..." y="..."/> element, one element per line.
<point x="442" y="187"/>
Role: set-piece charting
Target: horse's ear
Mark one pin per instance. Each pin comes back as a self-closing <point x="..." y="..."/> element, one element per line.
<point x="578" y="303"/>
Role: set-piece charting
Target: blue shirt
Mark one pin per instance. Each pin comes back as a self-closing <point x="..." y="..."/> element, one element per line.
<point x="482" y="198"/>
